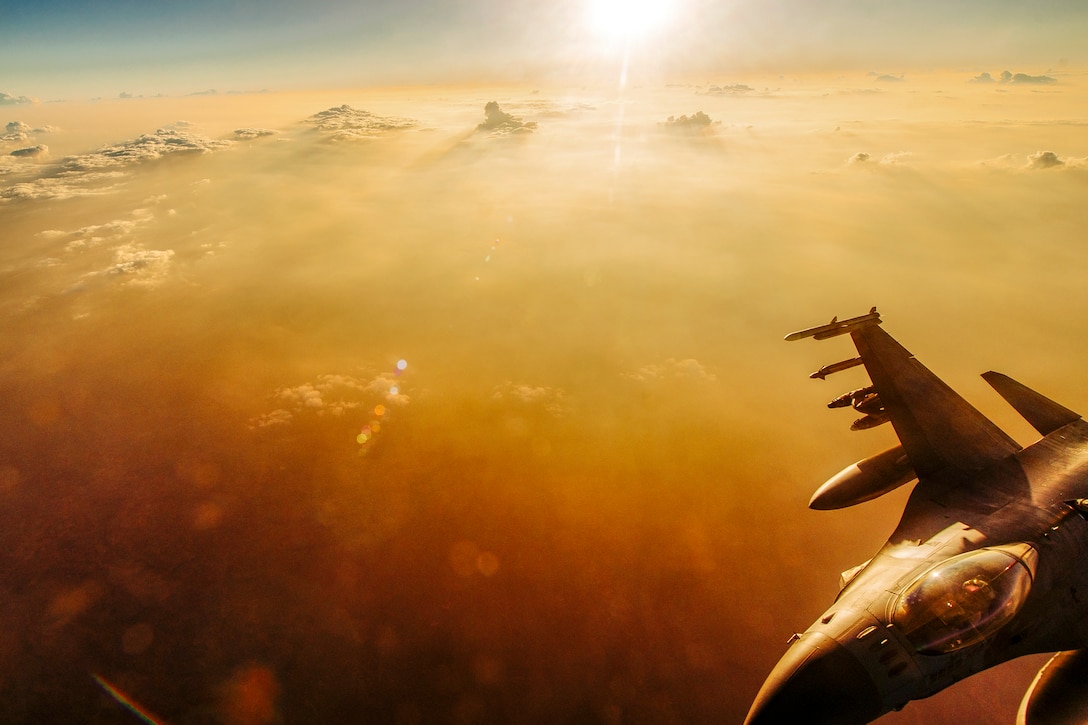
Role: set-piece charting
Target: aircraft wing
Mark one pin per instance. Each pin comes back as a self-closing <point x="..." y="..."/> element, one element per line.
<point x="938" y="428"/>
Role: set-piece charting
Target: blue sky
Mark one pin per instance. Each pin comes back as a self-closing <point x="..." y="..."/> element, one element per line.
<point x="72" y="46"/>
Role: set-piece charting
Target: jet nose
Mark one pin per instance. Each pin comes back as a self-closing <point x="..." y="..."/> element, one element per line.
<point x="817" y="681"/>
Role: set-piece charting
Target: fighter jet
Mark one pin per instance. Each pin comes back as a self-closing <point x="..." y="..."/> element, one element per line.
<point x="989" y="561"/>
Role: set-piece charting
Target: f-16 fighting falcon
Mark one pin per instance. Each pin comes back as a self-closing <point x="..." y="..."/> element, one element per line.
<point x="989" y="561"/>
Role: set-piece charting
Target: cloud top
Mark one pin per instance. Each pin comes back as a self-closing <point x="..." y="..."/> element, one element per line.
<point x="246" y="134"/>
<point x="733" y="89"/>
<point x="6" y="99"/>
<point x="97" y="172"/>
<point x="147" y="147"/>
<point x="39" y="150"/>
<point x="1044" y="160"/>
<point x="1014" y="78"/>
<point x="697" y="122"/>
<point x="344" y="123"/>
<point x="500" y="123"/>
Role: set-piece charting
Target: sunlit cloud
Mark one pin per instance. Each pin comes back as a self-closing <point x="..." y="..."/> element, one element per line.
<point x="674" y="369"/>
<point x="696" y="123"/>
<point x="500" y="123"/>
<point x="148" y="147"/>
<point x="31" y="151"/>
<point x="95" y="234"/>
<point x="731" y="89"/>
<point x="246" y="134"/>
<point x="6" y="99"/>
<point x="344" y="123"/>
<point x="99" y="172"/>
<point x="333" y="394"/>
<point x="1026" y="79"/>
<point x="142" y="267"/>
<point x="1044" y="160"/>
<point x="552" y="400"/>
<point x="65" y="186"/>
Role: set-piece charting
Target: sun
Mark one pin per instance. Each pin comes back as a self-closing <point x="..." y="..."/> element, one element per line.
<point x="628" y="19"/>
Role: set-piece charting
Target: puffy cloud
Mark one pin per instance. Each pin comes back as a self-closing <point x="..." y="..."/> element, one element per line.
<point x="16" y="131"/>
<point x="734" y="89"/>
<point x="551" y="400"/>
<point x="887" y="78"/>
<point x="697" y="122"/>
<point x="94" y="234"/>
<point x="64" y="186"/>
<point x="6" y="99"/>
<point x="92" y="173"/>
<point x="1044" y="160"/>
<point x="896" y="158"/>
<point x="1025" y="79"/>
<point x="500" y="123"/>
<point x="332" y="394"/>
<point x="276" y="417"/>
<point x="672" y="369"/>
<point x="251" y="133"/>
<point x="344" y="123"/>
<point x="39" y="150"/>
<point x="983" y="78"/>
<point x="142" y="267"/>
<point x="147" y="147"/>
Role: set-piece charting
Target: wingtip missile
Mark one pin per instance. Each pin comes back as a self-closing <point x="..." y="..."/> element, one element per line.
<point x="836" y="327"/>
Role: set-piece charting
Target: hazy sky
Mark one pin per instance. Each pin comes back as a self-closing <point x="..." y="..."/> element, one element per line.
<point x="73" y="47"/>
<point x="583" y="498"/>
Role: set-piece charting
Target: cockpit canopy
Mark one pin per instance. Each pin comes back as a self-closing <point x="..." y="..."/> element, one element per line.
<point x="965" y="599"/>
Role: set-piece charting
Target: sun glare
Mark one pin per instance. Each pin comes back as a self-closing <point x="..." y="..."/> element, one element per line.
<point x="628" y="19"/>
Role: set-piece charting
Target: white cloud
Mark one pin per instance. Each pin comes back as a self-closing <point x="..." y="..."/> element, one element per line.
<point x="97" y="172"/>
<point x="1044" y="160"/>
<point x="551" y="400"/>
<point x="30" y="151"/>
<point x="501" y="123"/>
<point x="896" y="158"/>
<point x="1025" y="79"/>
<point x="673" y="369"/>
<point x="94" y="234"/>
<point x="697" y="122"/>
<point x="333" y="394"/>
<point x="142" y="267"/>
<point x="148" y="147"/>
<point x="732" y="89"/>
<point x="246" y="134"/>
<point x="6" y="99"/>
<point x="276" y="417"/>
<point x="344" y="123"/>
<point x="63" y="186"/>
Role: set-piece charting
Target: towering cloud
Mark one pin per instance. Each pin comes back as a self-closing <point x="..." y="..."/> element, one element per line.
<point x="500" y="123"/>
